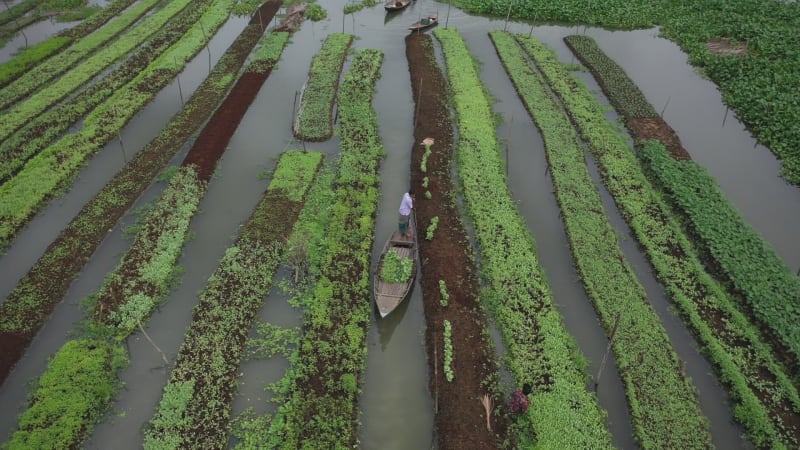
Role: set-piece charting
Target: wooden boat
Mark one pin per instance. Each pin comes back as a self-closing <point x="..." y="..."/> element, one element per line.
<point x="425" y="22"/>
<point x="396" y="5"/>
<point x="389" y="295"/>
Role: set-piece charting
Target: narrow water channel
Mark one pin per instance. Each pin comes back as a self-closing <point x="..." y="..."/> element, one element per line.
<point x="395" y="393"/>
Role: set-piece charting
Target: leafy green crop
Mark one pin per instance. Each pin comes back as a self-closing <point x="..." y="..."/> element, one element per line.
<point x="44" y="174"/>
<point x="396" y="268"/>
<point x="768" y="285"/>
<point x="75" y="389"/>
<point x="448" y="351"/>
<point x="315" y="113"/>
<point x="334" y="354"/>
<point x="227" y="308"/>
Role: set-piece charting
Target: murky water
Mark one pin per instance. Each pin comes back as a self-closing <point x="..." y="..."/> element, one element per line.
<point x="396" y="406"/>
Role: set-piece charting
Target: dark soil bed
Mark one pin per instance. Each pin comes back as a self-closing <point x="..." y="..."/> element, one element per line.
<point x="460" y="417"/>
<point x="646" y="128"/>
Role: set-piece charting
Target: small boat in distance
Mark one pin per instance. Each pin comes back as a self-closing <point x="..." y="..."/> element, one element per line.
<point x="425" y="22"/>
<point x="389" y="295"/>
<point x="396" y="5"/>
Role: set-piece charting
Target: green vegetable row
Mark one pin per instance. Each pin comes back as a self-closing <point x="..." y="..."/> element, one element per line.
<point x="744" y="363"/>
<point x="663" y="402"/>
<point x="320" y="408"/>
<point x="195" y="408"/>
<point x="540" y="352"/>
<point x="29" y="304"/>
<point x="43" y="175"/>
<point x="39" y="77"/>
<point x="46" y="128"/>
<point x="32" y="55"/>
<point x="18" y="10"/>
<point x="315" y="113"/>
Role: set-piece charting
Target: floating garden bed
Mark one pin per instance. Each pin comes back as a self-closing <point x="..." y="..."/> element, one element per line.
<point x="541" y="353"/>
<point x="756" y="272"/>
<point x="315" y="112"/>
<point x="147" y="270"/>
<point x="38" y="78"/>
<point x="208" y="360"/>
<point x="449" y="279"/>
<point x="46" y="128"/>
<point x="34" y="54"/>
<point x="46" y="173"/>
<point x="320" y="410"/>
<point x="760" y="86"/>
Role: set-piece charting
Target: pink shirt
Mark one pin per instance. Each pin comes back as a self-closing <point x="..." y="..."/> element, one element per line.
<point x="406" y="205"/>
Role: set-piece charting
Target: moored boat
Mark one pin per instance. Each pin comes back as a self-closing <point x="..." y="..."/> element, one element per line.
<point x="396" y="5"/>
<point x="425" y="22"/>
<point x="389" y="295"/>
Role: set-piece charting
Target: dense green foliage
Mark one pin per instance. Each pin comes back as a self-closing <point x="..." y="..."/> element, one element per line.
<point x="17" y="10"/>
<point x="354" y="6"/>
<point x="396" y="268"/>
<point x="28" y="305"/>
<point x="749" y="261"/>
<point x="332" y="352"/>
<point x="540" y="352"/>
<point x="75" y="389"/>
<point x="215" y="341"/>
<point x="315" y="13"/>
<point x="760" y="87"/>
<point x="448" y="351"/>
<point x="758" y="384"/>
<point x="663" y="402"/>
<point x="251" y="430"/>
<point x="315" y="113"/>
<point x="768" y="285"/>
<point x="296" y="172"/>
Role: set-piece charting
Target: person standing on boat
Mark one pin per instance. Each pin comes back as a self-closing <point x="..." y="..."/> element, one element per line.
<point x="406" y="206"/>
